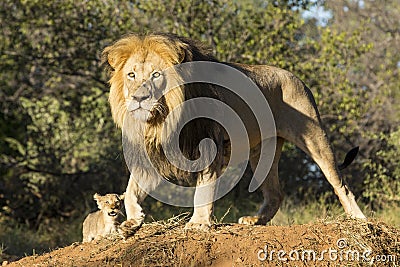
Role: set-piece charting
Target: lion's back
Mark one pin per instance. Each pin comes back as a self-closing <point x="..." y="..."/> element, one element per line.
<point x="282" y="89"/>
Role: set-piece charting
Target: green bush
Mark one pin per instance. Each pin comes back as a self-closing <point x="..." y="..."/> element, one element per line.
<point x="382" y="184"/>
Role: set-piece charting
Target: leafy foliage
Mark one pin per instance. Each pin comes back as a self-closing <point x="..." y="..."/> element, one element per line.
<point x="376" y="74"/>
<point x="383" y="177"/>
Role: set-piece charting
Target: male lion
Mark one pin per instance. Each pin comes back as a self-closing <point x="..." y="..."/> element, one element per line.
<point x="139" y="106"/>
<point x="104" y="221"/>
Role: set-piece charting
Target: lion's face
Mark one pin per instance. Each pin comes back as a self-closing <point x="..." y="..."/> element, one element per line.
<point x="109" y="204"/>
<point x="139" y="80"/>
<point x="144" y="85"/>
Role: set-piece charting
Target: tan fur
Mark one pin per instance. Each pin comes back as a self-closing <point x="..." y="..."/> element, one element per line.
<point x="293" y="106"/>
<point x="104" y="221"/>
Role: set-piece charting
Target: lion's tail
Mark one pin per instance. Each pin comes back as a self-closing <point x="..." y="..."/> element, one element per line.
<point x="350" y="156"/>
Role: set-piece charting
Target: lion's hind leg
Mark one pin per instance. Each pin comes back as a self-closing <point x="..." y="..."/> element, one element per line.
<point x="308" y="134"/>
<point x="271" y="190"/>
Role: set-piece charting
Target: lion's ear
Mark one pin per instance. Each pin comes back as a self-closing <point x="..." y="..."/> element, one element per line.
<point x="189" y="50"/>
<point x="184" y="53"/>
<point x="108" y="57"/>
<point x="122" y="197"/>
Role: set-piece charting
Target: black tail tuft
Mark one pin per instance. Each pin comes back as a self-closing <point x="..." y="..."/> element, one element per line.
<point x="350" y="156"/>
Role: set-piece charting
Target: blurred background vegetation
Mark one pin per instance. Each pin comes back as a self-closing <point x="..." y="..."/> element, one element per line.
<point x="58" y="144"/>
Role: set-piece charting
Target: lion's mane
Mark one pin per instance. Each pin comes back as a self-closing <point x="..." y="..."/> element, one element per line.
<point x="174" y="50"/>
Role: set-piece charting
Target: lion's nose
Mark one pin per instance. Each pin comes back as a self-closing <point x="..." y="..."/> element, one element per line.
<point x="141" y="94"/>
<point x="140" y="98"/>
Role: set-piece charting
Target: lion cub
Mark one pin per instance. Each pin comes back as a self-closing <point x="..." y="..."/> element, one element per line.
<point x="104" y="221"/>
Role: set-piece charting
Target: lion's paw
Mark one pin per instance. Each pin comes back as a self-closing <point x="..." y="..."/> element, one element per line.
<point x="197" y="226"/>
<point x="129" y="227"/>
<point x="249" y="220"/>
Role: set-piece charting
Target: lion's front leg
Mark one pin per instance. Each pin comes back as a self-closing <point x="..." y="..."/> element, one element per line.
<point x="134" y="195"/>
<point x="203" y="202"/>
<point x="134" y="218"/>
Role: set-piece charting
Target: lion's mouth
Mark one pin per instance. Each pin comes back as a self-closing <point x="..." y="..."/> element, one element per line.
<point x="140" y="114"/>
<point x="139" y="110"/>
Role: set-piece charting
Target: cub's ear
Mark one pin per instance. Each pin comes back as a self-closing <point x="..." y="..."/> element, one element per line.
<point x="122" y="197"/>
<point x="96" y="197"/>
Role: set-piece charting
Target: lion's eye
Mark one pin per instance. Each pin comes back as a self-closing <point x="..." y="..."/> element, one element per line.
<point x="156" y="74"/>
<point x="107" y="202"/>
<point x="131" y="75"/>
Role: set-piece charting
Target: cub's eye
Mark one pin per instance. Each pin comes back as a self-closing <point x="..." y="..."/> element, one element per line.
<point x="156" y="74"/>
<point x="107" y="202"/>
<point x="131" y="75"/>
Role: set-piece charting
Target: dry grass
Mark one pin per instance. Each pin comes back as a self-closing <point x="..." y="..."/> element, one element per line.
<point x="372" y="236"/>
<point x="166" y="243"/>
<point x="162" y="226"/>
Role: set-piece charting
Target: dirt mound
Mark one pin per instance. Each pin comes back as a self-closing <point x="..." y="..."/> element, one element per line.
<point x="336" y="243"/>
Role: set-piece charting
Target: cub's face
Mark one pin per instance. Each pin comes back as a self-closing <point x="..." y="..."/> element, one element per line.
<point x="110" y="204"/>
<point x="144" y="84"/>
